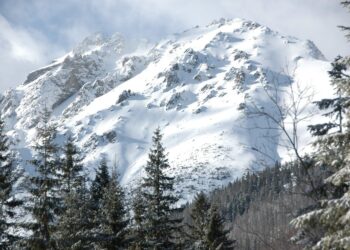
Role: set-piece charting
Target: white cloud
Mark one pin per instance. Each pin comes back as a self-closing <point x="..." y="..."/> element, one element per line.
<point x="21" y="52"/>
<point x="35" y="32"/>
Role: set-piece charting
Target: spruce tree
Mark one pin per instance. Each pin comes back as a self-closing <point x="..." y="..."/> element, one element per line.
<point x="43" y="187"/>
<point x="336" y="106"/>
<point x="216" y="235"/>
<point x="71" y="171"/>
<point x="77" y="221"/>
<point x="112" y="216"/>
<point x="157" y="190"/>
<point x="200" y="220"/>
<point x="100" y="182"/>
<point x="330" y="220"/>
<point x="139" y="209"/>
<point x="7" y="179"/>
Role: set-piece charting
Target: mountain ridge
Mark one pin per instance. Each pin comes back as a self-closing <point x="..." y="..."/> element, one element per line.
<point x="110" y="95"/>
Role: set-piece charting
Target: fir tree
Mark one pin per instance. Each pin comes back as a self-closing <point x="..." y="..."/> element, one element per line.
<point x="158" y="190"/>
<point x="112" y="216"/>
<point x="100" y="182"/>
<point x="336" y="105"/>
<point x="7" y="179"/>
<point x="71" y="168"/>
<point x="200" y="221"/>
<point x="139" y="209"/>
<point x="76" y="222"/>
<point x="330" y="219"/>
<point x="216" y="234"/>
<point x="44" y="186"/>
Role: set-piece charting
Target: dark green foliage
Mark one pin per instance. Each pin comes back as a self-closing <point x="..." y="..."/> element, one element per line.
<point x="216" y="234"/>
<point x="200" y="221"/>
<point x="325" y="225"/>
<point x="257" y="208"/>
<point x="335" y="107"/>
<point x="100" y="182"/>
<point x="139" y="209"/>
<point x="112" y="216"/>
<point x="157" y="190"/>
<point x="71" y="168"/>
<point x="7" y="179"/>
<point x="76" y="222"/>
<point x="44" y="186"/>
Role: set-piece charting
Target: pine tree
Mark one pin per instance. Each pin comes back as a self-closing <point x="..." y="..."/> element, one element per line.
<point x="77" y="220"/>
<point x="7" y="179"/>
<point x="157" y="189"/>
<point x="100" y="182"/>
<point x="200" y="220"/>
<point x="337" y="104"/>
<point x="139" y="209"/>
<point x="44" y="186"/>
<point x="216" y="235"/>
<point x="330" y="220"/>
<point x="72" y="168"/>
<point x="112" y="216"/>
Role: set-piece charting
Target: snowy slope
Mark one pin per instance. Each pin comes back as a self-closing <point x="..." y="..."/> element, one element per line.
<point x="111" y="94"/>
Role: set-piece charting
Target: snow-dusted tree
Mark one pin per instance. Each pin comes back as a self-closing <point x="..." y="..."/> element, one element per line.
<point x="45" y="202"/>
<point x="200" y="220"/>
<point x="216" y="237"/>
<point x="7" y="179"/>
<point x="139" y="210"/>
<point x="112" y="216"/>
<point x="331" y="219"/>
<point x="335" y="106"/>
<point x="71" y="170"/>
<point x="77" y="220"/>
<point x="100" y="182"/>
<point x="158" y="192"/>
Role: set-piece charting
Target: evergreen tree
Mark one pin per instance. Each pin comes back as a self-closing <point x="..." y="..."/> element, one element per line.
<point x="216" y="234"/>
<point x="71" y="168"/>
<point x="139" y="209"/>
<point x="157" y="190"/>
<point x="43" y="187"/>
<point x="336" y="105"/>
<point x="7" y="179"/>
<point x="330" y="219"/>
<point x="77" y="221"/>
<point x="100" y="182"/>
<point x="112" y="216"/>
<point x="200" y="220"/>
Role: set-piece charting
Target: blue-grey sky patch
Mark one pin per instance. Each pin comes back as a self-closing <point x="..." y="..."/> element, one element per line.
<point x="34" y="32"/>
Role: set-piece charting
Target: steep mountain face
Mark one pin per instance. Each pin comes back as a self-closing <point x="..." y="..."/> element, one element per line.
<point x="110" y="95"/>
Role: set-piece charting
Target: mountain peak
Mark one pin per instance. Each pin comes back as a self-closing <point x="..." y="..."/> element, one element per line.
<point x="110" y="96"/>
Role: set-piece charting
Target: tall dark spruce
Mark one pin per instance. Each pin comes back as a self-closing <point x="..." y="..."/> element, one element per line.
<point x="206" y="230"/>
<point x="160" y="224"/>
<point x="100" y="183"/>
<point x="217" y="235"/>
<point x="71" y="170"/>
<point x="75" y="221"/>
<point x="327" y="226"/>
<point x="200" y="220"/>
<point x="7" y="179"/>
<point x="139" y="210"/>
<point x="45" y="201"/>
<point x="112" y="216"/>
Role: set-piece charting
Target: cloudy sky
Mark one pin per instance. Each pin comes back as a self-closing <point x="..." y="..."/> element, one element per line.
<point x="34" y="32"/>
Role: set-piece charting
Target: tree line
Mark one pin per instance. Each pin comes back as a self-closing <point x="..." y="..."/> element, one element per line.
<point x="67" y="211"/>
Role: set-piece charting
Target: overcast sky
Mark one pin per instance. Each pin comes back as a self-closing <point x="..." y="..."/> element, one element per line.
<point x="34" y="32"/>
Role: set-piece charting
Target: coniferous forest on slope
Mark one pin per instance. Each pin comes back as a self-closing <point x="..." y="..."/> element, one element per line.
<point x="301" y="204"/>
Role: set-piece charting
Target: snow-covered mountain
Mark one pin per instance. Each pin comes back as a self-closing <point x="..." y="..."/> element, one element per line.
<point x="110" y="94"/>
